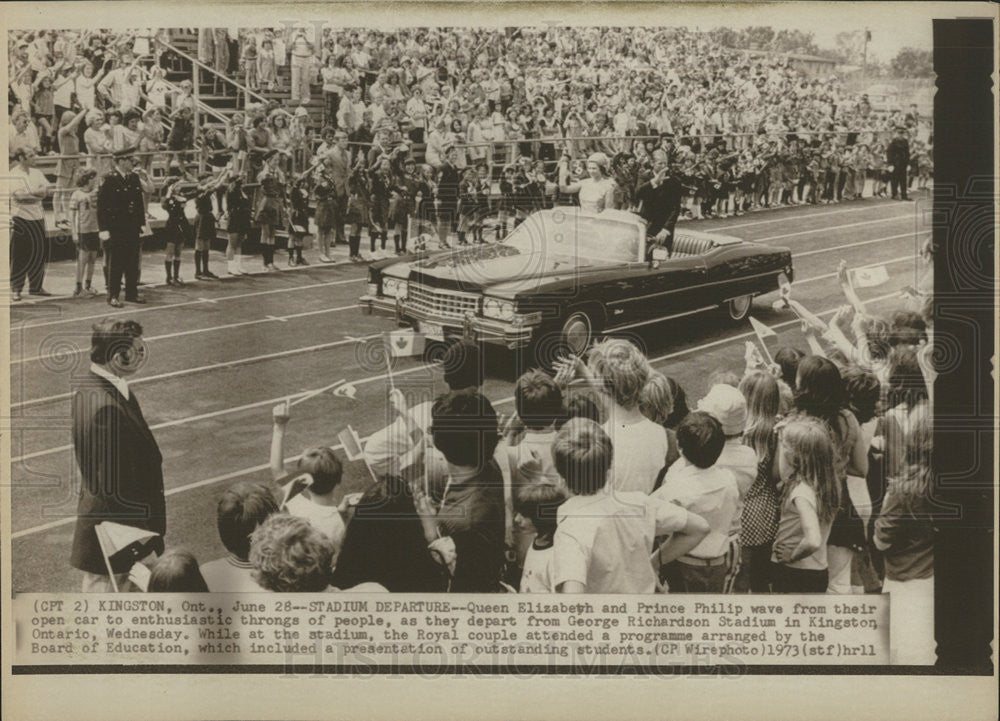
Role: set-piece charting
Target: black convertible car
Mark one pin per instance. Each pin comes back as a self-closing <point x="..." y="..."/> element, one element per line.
<point x="564" y="276"/>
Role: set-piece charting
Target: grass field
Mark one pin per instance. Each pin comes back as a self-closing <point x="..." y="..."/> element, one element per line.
<point x="221" y="355"/>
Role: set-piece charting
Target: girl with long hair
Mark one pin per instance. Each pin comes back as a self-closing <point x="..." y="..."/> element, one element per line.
<point x="820" y="394"/>
<point x="810" y="499"/>
<point x="761" y="510"/>
<point x="904" y="532"/>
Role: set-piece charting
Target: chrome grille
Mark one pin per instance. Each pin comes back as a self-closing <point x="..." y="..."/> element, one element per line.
<point x="442" y="303"/>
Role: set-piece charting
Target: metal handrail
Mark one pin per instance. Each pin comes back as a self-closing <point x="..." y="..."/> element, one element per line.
<point x="246" y="91"/>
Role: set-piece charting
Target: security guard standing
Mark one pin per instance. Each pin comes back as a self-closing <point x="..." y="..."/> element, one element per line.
<point x="898" y="157"/>
<point x="120" y="217"/>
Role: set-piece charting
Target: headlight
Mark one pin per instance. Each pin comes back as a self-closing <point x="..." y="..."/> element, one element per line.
<point x="499" y="309"/>
<point x="394" y="288"/>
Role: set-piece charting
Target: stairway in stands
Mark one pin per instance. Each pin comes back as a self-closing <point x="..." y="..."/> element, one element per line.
<point x="222" y="92"/>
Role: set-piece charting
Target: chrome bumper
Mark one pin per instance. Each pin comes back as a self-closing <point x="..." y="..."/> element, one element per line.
<point x="476" y="328"/>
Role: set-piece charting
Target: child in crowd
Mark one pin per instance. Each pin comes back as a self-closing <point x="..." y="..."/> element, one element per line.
<point x="535" y="509"/>
<point x="810" y="499"/>
<point x="727" y="405"/>
<point x="657" y="403"/>
<point x="176" y="571"/>
<point x="539" y="404"/>
<point x="83" y="206"/>
<point x="242" y="508"/>
<point x="298" y="221"/>
<point x="759" y="518"/>
<point x="178" y="229"/>
<point x="604" y="536"/>
<point x="316" y="503"/>
<point x="204" y="224"/>
<point x="904" y="532"/>
<point x="699" y="485"/>
<point x="619" y="369"/>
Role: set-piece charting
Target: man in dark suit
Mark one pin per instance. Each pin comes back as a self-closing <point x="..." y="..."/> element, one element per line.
<point x="660" y="205"/>
<point x="120" y="217"/>
<point x="119" y="459"/>
<point x="898" y="157"/>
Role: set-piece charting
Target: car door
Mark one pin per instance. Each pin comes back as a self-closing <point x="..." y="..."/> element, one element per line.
<point x="658" y="290"/>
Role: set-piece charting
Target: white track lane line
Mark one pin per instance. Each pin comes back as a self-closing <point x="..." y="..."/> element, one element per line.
<point x="200" y="301"/>
<point x="503" y="401"/>
<point x="272" y="319"/>
<point x="799" y="217"/>
<point x="291" y="316"/>
<point x="179" y="334"/>
<point x="362" y="381"/>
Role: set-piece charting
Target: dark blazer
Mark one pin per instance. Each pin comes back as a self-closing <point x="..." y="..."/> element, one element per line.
<point x="119" y="206"/>
<point x="898" y="152"/>
<point x="121" y="478"/>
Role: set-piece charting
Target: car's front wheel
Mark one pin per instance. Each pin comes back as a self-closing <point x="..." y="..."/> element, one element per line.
<point x="577" y="333"/>
<point x="739" y="308"/>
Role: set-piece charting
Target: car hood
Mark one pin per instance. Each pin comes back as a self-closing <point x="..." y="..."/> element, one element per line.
<point x="501" y="269"/>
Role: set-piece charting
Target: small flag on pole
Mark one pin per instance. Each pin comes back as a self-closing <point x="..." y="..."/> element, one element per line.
<point x="294" y="487"/>
<point x="346" y="391"/>
<point x="405" y="342"/>
<point x="122" y="546"/>
<point x="351" y="443"/>
<point x="870" y="277"/>
<point x="762" y="332"/>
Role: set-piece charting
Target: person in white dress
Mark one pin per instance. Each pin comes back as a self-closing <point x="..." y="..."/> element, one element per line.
<point x="596" y="192"/>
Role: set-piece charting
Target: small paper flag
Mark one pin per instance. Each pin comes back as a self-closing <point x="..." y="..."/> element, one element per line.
<point x="346" y="391"/>
<point x="404" y="343"/>
<point x="762" y="330"/>
<point x="870" y="277"/>
<point x="294" y="487"/>
<point x="351" y="444"/>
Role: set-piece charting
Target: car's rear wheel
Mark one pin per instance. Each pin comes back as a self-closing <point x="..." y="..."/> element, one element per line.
<point x="739" y="308"/>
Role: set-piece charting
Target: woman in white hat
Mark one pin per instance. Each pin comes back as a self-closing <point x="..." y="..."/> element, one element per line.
<point x="597" y="191"/>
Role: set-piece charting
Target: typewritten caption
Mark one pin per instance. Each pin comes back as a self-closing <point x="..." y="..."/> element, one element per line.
<point x="420" y="629"/>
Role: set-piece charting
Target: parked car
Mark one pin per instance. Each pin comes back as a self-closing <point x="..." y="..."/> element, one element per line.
<point x="564" y="276"/>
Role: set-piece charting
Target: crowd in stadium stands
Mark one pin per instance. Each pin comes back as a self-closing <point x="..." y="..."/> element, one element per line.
<point x="454" y="133"/>
<point x="808" y="474"/>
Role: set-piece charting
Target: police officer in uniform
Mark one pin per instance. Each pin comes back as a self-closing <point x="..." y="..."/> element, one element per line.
<point x="120" y="217"/>
<point x="898" y="156"/>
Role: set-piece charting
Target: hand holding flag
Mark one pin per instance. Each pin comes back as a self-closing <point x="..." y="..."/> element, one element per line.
<point x="870" y="277"/>
<point x="762" y="332"/>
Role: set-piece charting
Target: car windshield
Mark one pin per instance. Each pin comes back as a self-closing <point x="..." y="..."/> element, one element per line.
<point x="582" y="236"/>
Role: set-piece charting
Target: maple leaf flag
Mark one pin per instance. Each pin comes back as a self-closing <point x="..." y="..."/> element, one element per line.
<point x="870" y="277"/>
<point x="404" y="343"/>
<point x="346" y="391"/>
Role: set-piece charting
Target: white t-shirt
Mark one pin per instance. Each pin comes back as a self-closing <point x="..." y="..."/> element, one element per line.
<point x="325" y="519"/>
<point x="229" y="575"/>
<point x="640" y="450"/>
<point x="537" y="574"/>
<point x="710" y="493"/>
<point x="604" y="541"/>
<point x="741" y="459"/>
<point x="30" y="180"/>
